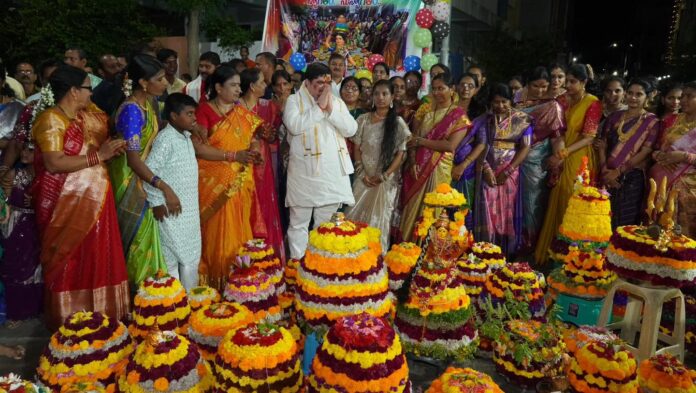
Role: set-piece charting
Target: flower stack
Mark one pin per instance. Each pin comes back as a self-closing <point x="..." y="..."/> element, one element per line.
<point x="583" y="236"/>
<point x="340" y="276"/>
<point x="253" y="289"/>
<point x="13" y="383"/>
<point x="491" y="254"/>
<point x="166" y="362"/>
<point x="161" y="301"/>
<point x="474" y="272"/>
<point x="444" y="196"/>
<point x="575" y="339"/>
<point x="86" y="387"/>
<point x="463" y="380"/>
<point x="259" y="358"/>
<point x="202" y="296"/>
<point x="521" y="282"/>
<point x="291" y="274"/>
<point x="209" y="325"/>
<point x="360" y="353"/>
<point x="665" y="374"/>
<point x="437" y="319"/>
<point x="263" y="257"/>
<point x="602" y="366"/>
<point x="657" y="254"/>
<point x="401" y="260"/>
<point x="529" y="351"/>
<point x="89" y="347"/>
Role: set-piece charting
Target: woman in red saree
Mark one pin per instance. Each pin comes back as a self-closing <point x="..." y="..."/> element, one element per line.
<point x="81" y="255"/>
<point x="253" y="87"/>
<point x="676" y="161"/>
<point x="432" y="151"/>
<point x="668" y="107"/>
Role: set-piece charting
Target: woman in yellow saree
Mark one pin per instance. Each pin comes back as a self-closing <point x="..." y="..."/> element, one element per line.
<point x="136" y="122"/>
<point x="226" y="179"/>
<point x="432" y="152"/>
<point x="582" y="112"/>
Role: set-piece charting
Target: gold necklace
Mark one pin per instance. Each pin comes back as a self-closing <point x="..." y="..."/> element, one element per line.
<point x="500" y="133"/>
<point x="247" y="106"/>
<point x="65" y="112"/>
<point x="624" y="136"/>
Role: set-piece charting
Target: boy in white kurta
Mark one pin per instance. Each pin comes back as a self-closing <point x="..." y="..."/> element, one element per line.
<point x="319" y="164"/>
<point x="173" y="160"/>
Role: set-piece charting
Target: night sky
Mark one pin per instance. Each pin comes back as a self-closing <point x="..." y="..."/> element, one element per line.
<point x="597" y="24"/>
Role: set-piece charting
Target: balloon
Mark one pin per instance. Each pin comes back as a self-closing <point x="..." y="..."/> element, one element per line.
<point x="424" y="18"/>
<point x="428" y="61"/>
<point x="422" y="38"/>
<point x="441" y="11"/>
<point x="363" y="73"/>
<point x="412" y="63"/>
<point x="440" y="30"/>
<point x="297" y="61"/>
<point x="374" y="59"/>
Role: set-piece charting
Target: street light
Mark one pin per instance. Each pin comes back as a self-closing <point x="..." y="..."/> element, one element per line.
<point x="575" y="59"/>
<point x="614" y="45"/>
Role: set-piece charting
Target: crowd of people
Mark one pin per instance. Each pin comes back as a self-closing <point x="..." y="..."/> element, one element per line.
<point x="109" y="179"/>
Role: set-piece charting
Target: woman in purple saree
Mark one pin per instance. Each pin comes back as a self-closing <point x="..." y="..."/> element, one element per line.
<point x="623" y="149"/>
<point x="498" y="198"/>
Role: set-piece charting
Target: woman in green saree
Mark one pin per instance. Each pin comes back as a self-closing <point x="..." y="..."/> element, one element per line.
<point x="136" y="122"/>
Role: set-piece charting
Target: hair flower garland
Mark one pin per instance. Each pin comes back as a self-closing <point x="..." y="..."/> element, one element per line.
<point x="46" y="100"/>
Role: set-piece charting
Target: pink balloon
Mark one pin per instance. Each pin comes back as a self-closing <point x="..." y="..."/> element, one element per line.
<point x="374" y="59"/>
<point x="424" y="18"/>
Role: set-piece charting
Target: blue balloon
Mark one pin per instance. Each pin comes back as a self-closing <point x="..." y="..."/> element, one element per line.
<point x="412" y="63"/>
<point x="297" y="61"/>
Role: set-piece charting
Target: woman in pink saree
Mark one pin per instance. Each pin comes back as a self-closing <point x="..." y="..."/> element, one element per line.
<point x="431" y="152"/>
<point x="676" y="161"/>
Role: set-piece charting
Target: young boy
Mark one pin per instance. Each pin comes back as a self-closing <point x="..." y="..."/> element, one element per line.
<point x="173" y="160"/>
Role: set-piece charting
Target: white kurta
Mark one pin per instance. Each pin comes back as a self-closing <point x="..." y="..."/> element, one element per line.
<point x="193" y="88"/>
<point x="173" y="159"/>
<point x="319" y="165"/>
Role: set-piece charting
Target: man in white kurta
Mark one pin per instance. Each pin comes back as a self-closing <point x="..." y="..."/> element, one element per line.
<point x="173" y="159"/>
<point x="319" y="164"/>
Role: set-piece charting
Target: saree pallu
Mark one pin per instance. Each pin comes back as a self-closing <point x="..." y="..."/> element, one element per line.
<point x="139" y="231"/>
<point x="265" y="181"/>
<point x="548" y="123"/>
<point x="581" y="119"/>
<point x="498" y="209"/>
<point x="81" y="254"/>
<point x="680" y="137"/>
<point x="466" y="184"/>
<point x="435" y="167"/>
<point x="627" y="200"/>
<point x="226" y="192"/>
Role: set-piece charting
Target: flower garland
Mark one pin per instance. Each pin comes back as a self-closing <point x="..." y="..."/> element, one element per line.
<point x="166" y="362"/>
<point x="360" y="353"/>
<point x="209" y="325"/>
<point x="603" y="367"/>
<point x="202" y="296"/>
<point x="463" y="380"/>
<point x="666" y="374"/>
<point x="259" y="358"/>
<point x="46" y="100"/>
<point x="89" y="347"/>
<point x="161" y="300"/>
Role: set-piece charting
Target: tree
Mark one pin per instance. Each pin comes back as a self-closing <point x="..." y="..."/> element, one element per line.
<point x="211" y="17"/>
<point x="38" y="29"/>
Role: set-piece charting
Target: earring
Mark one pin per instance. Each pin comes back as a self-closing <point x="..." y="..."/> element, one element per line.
<point x="391" y="104"/>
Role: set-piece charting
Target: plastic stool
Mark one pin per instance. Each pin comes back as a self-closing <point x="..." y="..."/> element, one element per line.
<point x="646" y="303"/>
